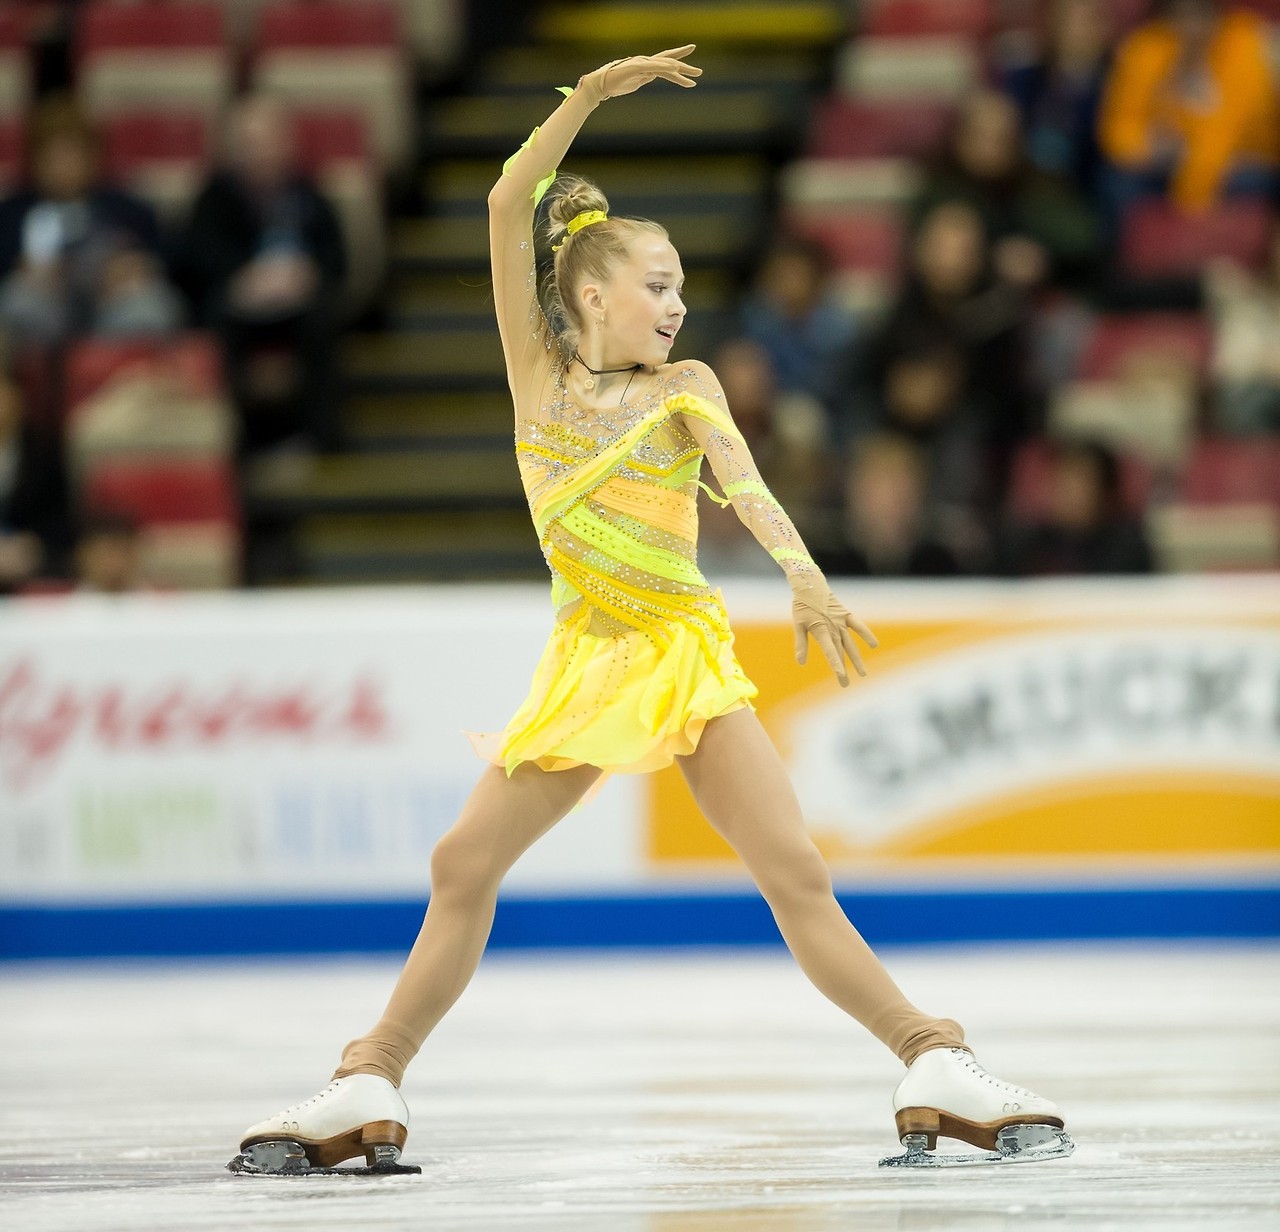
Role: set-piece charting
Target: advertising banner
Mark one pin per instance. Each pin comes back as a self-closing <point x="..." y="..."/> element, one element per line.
<point x="1025" y="731"/>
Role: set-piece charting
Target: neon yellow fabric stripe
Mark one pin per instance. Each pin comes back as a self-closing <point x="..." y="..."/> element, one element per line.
<point x="789" y="554"/>
<point x="591" y="529"/>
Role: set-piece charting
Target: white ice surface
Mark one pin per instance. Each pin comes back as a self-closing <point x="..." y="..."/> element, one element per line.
<point x="625" y="1093"/>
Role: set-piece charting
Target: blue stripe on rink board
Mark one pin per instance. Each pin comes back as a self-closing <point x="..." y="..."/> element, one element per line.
<point x="64" y="930"/>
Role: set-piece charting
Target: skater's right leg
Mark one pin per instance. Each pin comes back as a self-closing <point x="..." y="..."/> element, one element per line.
<point x="361" y="1111"/>
<point x="502" y="818"/>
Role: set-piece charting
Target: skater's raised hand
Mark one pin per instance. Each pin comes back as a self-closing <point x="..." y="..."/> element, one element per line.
<point x="817" y="613"/>
<point x="625" y="76"/>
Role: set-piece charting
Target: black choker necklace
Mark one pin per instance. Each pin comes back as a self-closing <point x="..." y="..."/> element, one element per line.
<point x="589" y="383"/>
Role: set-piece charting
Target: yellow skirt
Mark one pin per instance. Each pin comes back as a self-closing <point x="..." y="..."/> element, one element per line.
<point x="620" y="703"/>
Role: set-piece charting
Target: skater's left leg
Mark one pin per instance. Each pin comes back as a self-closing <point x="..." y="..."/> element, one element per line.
<point x="741" y="786"/>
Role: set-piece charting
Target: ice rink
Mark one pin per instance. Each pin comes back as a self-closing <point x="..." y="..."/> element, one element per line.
<point x="641" y="1093"/>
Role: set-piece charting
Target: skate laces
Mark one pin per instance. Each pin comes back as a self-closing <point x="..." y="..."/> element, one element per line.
<point x="971" y="1062"/>
<point x="306" y="1103"/>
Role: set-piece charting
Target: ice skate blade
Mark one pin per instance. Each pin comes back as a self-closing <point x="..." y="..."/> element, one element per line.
<point x="284" y="1157"/>
<point x="1015" y="1144"/>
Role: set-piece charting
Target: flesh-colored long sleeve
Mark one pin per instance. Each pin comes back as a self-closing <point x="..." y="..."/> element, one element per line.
<point x="709" y="422"/>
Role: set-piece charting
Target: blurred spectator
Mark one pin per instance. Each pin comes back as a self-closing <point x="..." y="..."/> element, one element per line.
<point x="108" y="555"/>
<point x="886" y="524"/>
<point x="793" y="313"/>
<point x="1058" y="92"/>
<point x="1040" y="226"/>
<point x="1190" y="108"/>
<point x="1245" y="310"/>
<point x="952" y="293"/>
<point x="922" y="401"/>
<point x="788" y="440"/>
<point x="33" y="496"/>
<point x="1086" y="528"/>
<point x="77" y="256"/>
<point x="263" y="261"/>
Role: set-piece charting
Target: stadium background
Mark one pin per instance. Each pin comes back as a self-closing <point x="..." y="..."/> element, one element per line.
<point x="257" y="748"/>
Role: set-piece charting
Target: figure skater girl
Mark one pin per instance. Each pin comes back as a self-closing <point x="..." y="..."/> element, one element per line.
<point x="639" y="669"/>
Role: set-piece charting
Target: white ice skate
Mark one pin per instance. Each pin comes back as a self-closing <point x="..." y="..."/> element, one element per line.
<point x="946" y="1093"/>
<point x="361" y="1114"/>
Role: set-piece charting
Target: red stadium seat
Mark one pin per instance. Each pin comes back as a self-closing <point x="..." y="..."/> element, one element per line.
<point x="166" y="491"/>
<point x="15" y="61"/>
<point x="1159" y="240"/>
<point x="845" y="128"/>
<point x="162" y="156"/>
<point x="1117" y="340"/>
<point x="136" y="140"/>
<point x="194" y="357"/>
<point x="905" y="18"/>
<point x="1225" y="471"/>
<point x="132" y="56"/>
<point x="1029" y="485"/>
<point x="329" y="24"/>
<point x="12" y="152"/>
<point x="348" y="55"/>
<point x="1270" y="9"/>
<point x="326" y="139"/>
<point x="182" y="26"/>
<point x="867" y="240"/>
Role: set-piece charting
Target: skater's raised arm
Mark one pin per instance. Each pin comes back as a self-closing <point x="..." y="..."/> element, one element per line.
<point x="528" y="173"/>
<point x="816" y="611"/>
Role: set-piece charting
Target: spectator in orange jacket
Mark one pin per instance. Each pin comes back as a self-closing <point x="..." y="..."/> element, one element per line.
<point x="1190" y="107"/>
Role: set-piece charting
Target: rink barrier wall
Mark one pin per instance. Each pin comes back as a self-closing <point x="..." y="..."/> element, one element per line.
<point x="662" y="921"/>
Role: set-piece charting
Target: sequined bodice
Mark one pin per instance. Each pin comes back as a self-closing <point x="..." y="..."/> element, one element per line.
<point x="614" y="496"/>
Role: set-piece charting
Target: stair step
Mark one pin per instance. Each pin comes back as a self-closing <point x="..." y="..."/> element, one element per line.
<point x="454" y="181"/>
<point x="731" y="120"/>
<point x="454" y="546"/>
<point x="405" y="480"/>
<point x="786" y="23"/>
<point x="449" y="355"/>
<point x="385" y="419"/>
<point x="463" y="243"/>
<point x="438" y="299"/>
<point x="534" y="68"/>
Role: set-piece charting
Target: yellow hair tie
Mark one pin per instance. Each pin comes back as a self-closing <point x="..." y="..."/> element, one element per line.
<point x="585" y="219"/>
<point x="578" y="221"/>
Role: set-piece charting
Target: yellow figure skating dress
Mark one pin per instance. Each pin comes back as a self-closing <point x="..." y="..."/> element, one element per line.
<point x="641" y="655"/>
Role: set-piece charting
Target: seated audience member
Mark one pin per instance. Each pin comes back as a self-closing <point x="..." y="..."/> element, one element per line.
<point x="1040" y="225"/>
<point x="1190" y="108"/>
<point x="1086" y="528"/>
<point x="263" y="261"/>
<point x="952" y="293"/>
<point x="65" y="239"/>
<point x="108" y="555"/>
<point x="1058" y="92"/>
<point x="793" y="313"/>
<point x="1245" y="311"/>
<point x="886" y="526"/>
<point x="922" y="401"/>
<point x="33" y="496"/>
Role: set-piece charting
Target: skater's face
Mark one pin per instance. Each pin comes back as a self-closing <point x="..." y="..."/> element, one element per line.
<point x="640" y="304"/>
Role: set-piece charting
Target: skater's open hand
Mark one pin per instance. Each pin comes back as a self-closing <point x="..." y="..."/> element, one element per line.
<point x="818" y="613"/>
<point x="628" y="75"/>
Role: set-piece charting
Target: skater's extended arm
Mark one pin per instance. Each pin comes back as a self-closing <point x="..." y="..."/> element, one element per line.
<point x="529" y="172"/>
<point x="816" y="611"/>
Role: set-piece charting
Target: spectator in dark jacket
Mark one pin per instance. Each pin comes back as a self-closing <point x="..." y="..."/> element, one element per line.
<point x="951" y="293"/>
<point x="887" y="527"/>
<point x="263" y="261"/>
<point x="1059" y="90"/>
<point x="65" y="238"/>
<point x="1086" y="528"/>
<point x="34" y="523"/>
